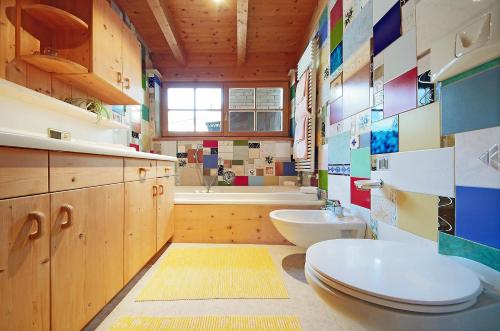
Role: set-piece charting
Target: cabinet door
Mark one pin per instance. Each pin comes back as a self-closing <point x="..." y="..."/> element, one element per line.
<point x="86" y="250"/>
<point x="107" y="62"/>
<point x="140" y="225"/>
<point x="132" y="66"/>
<point x="24" y="263"/>
<point x="164" y="219"/>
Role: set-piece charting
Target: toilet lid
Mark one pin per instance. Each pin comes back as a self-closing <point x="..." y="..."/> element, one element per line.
<point x="394" y="271"/>
<point x="334" y="288"/>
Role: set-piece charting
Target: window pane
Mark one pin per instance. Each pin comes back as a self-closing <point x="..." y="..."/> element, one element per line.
<point x="241" y="98"/>
<point x="269" y="121"/>
<point x="241" y="121"/>
<point x="180" y="121"/>
<point x="180" y="98"/>
<point x="208" y="98"/>
<point x="208" y="121"/>
<point x="269" y="98"/>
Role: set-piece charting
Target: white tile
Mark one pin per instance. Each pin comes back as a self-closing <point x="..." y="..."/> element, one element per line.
<point x="267" y="148"/>
<point x="323" y="157"/>
<point x="341" y="127"/>
<point x="400" y="56"/>
<point x="424" y="64"/>
<point x="283" y="149"/>
<point x="226" y="156"/>
<point x="225" y="149"/>
<point x="380" y="7"/>
<point x="408" y="13"/>
<point x="169" y="148"/>
<point x="339" y="188"/>
<point x="392" y="233"/>
<point x="428" y="171"/>
<point x="469" y="169"/>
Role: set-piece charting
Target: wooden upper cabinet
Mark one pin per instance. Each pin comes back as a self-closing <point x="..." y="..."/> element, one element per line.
<point x="107" y="40"/>
<point x="132" y="67"/>
<point x="24" y="263"/>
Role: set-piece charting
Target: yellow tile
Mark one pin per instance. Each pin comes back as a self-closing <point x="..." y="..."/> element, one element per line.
<point x="420" y="128"/>
<point x="418" y="213"/>
<point x="271" y="180"/>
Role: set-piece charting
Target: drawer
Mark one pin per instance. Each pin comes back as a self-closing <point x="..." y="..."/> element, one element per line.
<point x="139" y="169"/>
<point x="165" y="168"/>
<point x="72" y="170"/>
<point x="23" y="172"/>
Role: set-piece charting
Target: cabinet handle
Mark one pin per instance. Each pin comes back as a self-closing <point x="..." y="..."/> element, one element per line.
<point x="143" y="170"/>
<point x="161" y="189"/>
<point x="127" y="83"/>
<point x="38" y="217"/>
<point x="119" y="77"/>
<point x="155" y="190"/>
<point x="167" y="169"/>
<point x="68" y="209"/>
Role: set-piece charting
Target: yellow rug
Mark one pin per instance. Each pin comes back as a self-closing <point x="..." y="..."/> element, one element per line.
<point x="205" y="323"/>
<point x="215" y="273"/>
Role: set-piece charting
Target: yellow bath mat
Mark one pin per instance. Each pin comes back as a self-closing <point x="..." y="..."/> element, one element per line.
<point x="205" y="323"/>
<point x="215" y="273"/>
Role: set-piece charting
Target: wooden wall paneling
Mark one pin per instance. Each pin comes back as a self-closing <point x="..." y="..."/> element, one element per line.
<point x="248" y="224"/>
<point x="86" y="261"/>
<point x="38" y="80"/>
<point x="24" y="265"/>
<point x="242" y="23"/>
<point x="7" y="35"/>
<point x="23" y="172"/>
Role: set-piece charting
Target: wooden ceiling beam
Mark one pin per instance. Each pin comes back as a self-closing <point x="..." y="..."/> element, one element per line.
<point x="241" y="28"/>
<point x="165" y="22"/>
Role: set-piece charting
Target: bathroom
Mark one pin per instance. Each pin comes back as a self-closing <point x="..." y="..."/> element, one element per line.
<point x="249" y="165"/>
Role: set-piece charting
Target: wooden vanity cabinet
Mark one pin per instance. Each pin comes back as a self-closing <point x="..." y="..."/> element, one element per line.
<point x="24" y="263"/>
<point x="164" y="217"/>
<point x="86" y="253"/>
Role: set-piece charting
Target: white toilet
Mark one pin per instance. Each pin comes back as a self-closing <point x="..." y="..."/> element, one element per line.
<point x="304" y="228"/>
<point x="385" y="285"/>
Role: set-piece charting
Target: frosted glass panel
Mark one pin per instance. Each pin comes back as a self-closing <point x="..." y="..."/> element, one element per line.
<point x="241" y="98"/>
<point x="180" y="98"/>
<point x="269" y="98"/>
<point x="208" y="98"/>
<point x="241" y="121"/>
<point x="180" y="121"/>
<point x="208" y="121"/>
<point x="269" y="121"/>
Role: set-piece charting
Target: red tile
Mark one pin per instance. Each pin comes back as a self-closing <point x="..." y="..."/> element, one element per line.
<point x="336" y="113"/>
<point x="400" y="94"/>
<point x="278" y="170"/>
<point x="336" y="13"/>
<point x="241" y="181"/>
<point x="210" y="143"/>
<point x="135" y="146"/>
<point x="359" y="197"/>
<point x="191" y="153"/>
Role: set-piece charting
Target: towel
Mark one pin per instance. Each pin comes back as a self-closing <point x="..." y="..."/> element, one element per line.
<point x="301" y="97"/>
<point x="300" y="139"/>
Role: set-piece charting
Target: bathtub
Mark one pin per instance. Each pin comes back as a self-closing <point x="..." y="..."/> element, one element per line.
<point x="232" y="214"/>
<point x="244" y="195"/>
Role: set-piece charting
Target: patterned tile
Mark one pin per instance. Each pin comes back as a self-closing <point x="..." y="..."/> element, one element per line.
<point x="339" y="169"/>
<point x="385" y="136"/>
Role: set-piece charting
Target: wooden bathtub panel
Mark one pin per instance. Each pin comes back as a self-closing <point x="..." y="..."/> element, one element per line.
<point x="240" y="224"/>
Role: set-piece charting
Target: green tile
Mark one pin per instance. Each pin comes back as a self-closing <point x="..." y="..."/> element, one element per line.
<point x="145" y="113"/>
<point x="237" y="162"/>
<point x="240" y="143"/>
<point x="336" y="35"/>
<point x="323" y="179"/>
<point x="222" y="183"/>
<point x="360" y="162"/>
<point x="452" y="245"/>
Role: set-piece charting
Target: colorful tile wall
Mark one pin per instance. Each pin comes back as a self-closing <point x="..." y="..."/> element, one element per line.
<point x="236" y="162"/>
<point x="420" y="128"/>
<point x="387" y="29"/>
<point x="417" y="213"/>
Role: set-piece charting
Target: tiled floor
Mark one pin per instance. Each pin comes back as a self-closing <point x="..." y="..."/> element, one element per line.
<point x="303" y="302"/>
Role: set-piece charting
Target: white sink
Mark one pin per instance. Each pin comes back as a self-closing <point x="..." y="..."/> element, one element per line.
<point x="307" y="227"/>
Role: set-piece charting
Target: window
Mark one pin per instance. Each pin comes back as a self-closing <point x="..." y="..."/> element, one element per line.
<point x="231" y="109"/>
<point x="194" y="109"/>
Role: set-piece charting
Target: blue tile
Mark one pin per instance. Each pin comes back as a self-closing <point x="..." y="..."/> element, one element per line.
<point x="471" y="103"/>
<point x="364" y="140"/>
<point x="456" y="246"/>
<point x="210" y="161"/>
<point x="477" y="215"/>
<point x="255" y="180"/>
<point x="385" y="136"/>
<point x="387" y="29"/>
<point x="323" y="28"/>
<point x="339" y="151"/>
<point x="336" y="59"/>
<point x="289" y="169"/>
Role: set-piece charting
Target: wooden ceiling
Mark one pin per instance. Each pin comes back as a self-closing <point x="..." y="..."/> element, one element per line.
<point x="203" y="40"/>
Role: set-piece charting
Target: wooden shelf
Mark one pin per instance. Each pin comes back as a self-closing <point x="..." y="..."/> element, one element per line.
<point x="55" y="64"/>
<point x="55" y="18"/>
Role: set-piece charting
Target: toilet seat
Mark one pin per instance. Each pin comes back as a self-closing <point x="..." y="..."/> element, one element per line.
<point x="332" y="287"/>
<point x="393" y="274"/>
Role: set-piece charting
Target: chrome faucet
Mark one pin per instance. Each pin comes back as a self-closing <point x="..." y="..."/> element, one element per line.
<point x="334" y="207"/>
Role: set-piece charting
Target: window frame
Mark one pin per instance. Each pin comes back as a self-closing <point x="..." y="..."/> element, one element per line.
<point x="225" y="133"/>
